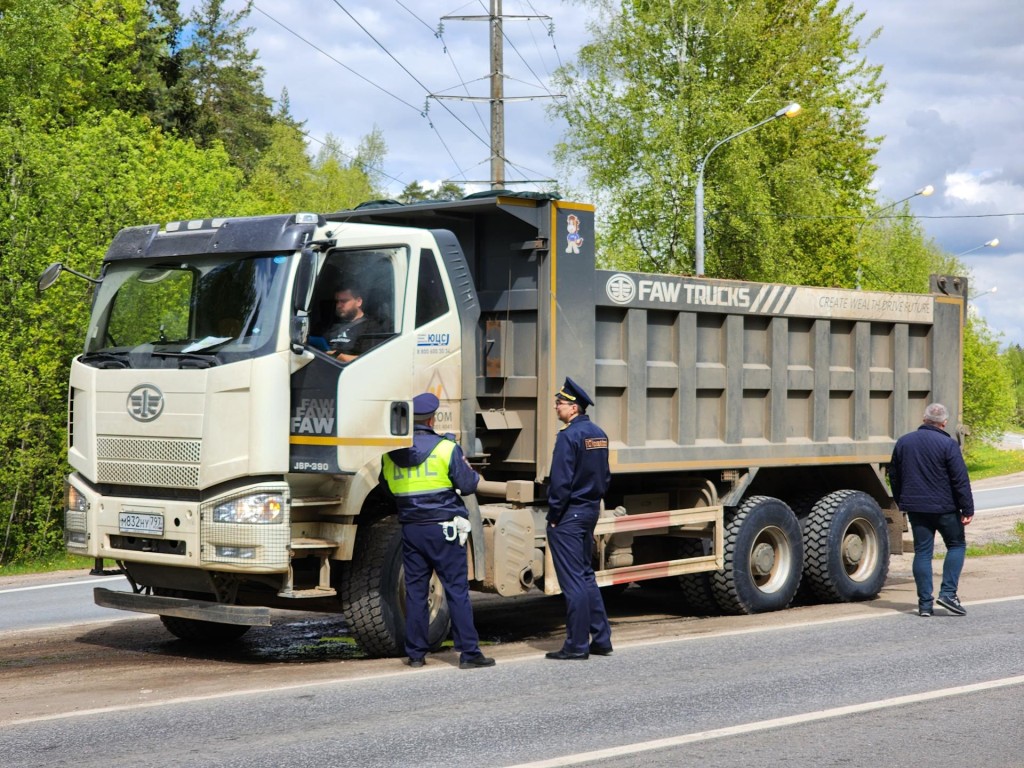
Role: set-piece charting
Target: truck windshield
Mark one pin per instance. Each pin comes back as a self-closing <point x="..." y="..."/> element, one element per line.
<point x="191" y="313"/>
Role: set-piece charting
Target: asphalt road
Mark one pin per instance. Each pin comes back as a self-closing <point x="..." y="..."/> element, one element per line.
<point x="882" y="688"/>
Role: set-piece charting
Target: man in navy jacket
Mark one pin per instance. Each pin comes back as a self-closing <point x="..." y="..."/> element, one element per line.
<point x="929" y="482"/>
<point x="579" y="478"/>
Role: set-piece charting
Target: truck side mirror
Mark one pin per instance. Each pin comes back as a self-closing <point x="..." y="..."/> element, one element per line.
<point x="299" y="333"/>
<point x="49" y="276"/>
<point x="303" y="286"/>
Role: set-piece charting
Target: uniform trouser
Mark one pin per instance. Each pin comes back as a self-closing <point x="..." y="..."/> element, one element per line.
<point x="572" y="549"/>
<point x="924" y="527"/>
<point x="425" y="550"/>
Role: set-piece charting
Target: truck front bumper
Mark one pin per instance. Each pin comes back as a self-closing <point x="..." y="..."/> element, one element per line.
<point x="183" y="608"/>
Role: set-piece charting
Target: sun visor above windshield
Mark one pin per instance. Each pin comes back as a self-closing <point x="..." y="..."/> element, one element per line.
<point x="262" y="234"/>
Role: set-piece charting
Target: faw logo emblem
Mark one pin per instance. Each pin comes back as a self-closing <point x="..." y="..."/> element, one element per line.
<point x="620" y="288"/>
<point x="145" y="402"/>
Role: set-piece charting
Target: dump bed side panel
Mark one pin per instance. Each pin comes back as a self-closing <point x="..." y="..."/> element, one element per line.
<point x="702" y="374"/>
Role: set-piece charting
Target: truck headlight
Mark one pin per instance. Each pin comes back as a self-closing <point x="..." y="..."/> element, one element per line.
<point x="76" y="524"/>
<point x="74" y="500"/>
<point x="258" y="509"/>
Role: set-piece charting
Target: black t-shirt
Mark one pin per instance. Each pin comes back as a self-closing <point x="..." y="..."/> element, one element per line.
<point x="356" y="337"/>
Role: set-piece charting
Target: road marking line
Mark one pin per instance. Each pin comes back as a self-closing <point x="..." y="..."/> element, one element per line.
<point x="60" y="584"/>
<point x="764" y="725"/>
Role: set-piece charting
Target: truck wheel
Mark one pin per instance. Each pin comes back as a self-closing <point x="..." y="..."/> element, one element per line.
<point x="196" y="631"/>
<point x="847" y="547"/>
<point x="763" y="558"/>
<point x="373" y="593"/>
<point x="698" y="593"/>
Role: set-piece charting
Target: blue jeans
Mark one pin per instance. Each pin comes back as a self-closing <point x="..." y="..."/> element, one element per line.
<point x="924" y="527"/>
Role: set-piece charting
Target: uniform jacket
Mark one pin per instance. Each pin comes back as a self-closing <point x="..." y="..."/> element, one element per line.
<point x="438" y="505"/>
<point x="928" y="474"/>
<point x="579" y="468"/>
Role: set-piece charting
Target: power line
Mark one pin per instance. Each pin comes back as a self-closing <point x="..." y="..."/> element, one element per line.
<point x="340" y="64"/>
<point x="406" y="70"/>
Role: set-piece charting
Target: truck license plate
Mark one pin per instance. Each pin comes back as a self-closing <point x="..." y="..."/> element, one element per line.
<point x="134" y="522"/>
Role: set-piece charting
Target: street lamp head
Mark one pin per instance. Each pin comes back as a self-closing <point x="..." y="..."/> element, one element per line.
<point x="984" y="293"/>
<point x="926" y="190"/>
<point x="990" y="244"/>
<point x="790" y="110"/>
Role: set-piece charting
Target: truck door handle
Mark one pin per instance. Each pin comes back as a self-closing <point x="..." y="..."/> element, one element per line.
<point x="400" y="418"/>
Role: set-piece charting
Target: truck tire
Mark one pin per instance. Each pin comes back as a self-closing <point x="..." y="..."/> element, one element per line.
<point x="373" y="593"/>
<point x="763" y="558"/>
<point x="846" y="548"/>
<point x="195" y="630"/>
<point x="698" y="592"/>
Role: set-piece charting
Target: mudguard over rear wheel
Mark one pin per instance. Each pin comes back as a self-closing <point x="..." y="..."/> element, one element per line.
<point x="373" y="593"/>
<point x="846" y="545"/>
<point x="763" y="557"/>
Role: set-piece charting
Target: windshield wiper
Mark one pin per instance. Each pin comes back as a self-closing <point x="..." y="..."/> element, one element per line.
<point x="187" y="359"/>
<point x="106" y="359"/>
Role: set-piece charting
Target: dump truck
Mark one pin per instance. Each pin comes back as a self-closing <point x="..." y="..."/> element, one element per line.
<point x="229" y="463"/>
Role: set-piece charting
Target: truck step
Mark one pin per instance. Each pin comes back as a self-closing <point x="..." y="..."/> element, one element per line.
<point x="307" y="544"/>
<point x="304" y="593"/>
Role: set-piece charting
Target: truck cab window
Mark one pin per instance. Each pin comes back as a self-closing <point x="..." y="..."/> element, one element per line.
<point x="354" y="302"/>
<point x="431" y="301"/>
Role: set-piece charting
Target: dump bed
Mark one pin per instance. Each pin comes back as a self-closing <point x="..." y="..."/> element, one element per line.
<point x="688" y="374"/>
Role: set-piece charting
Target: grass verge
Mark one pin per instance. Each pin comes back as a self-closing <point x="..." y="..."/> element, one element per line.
<point x="56" y="562"/>
<point x="988" y="461"/>
<point x="1012" y="546"/>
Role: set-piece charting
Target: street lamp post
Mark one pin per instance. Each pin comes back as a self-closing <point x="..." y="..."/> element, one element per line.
<point x="924" y="191"/>
<point x="990" y="244"/>
<point x="790" y="110"/>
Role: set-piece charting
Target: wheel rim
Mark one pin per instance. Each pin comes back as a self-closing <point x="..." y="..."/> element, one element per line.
<point x="771" y="559"/>
<point x="860" y="549"/>
<point x="435" y="595"/>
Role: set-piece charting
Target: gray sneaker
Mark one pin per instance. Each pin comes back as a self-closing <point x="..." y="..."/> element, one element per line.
<point x="951" y="604"/>
<point x="924" y="613"/>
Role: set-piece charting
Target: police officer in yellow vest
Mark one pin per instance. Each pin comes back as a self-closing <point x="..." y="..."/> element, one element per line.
<point x="423" y="480"/>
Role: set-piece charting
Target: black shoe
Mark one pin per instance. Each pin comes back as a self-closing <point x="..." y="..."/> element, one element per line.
<point x="475" y="662"/>
<point x="564" y="655"/>
<point x="415" y="663"/>
<point x="924" y="613"/>
<point x="951" y="604"/>
<point x="600" y="650"/>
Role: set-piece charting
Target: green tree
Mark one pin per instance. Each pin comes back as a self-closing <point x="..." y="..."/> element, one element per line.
<point x="287" y="179"/>
<point x="226" y="84"/>
<point x="1014" y="357"/>
<point x="67" y="192"/>
<point x="414" y="193"/>
<point x="989" y="401"/>
<point x="660" y="83"/>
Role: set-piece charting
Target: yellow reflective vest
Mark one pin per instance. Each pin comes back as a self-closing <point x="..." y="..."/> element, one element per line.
<point x="429" y="476"/>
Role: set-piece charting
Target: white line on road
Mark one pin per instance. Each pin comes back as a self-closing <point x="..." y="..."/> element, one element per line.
<point x="60" y="584"/>
<point x="764" y="725"/>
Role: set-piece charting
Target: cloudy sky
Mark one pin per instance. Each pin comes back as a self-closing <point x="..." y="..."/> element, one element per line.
<point x="952" y="116"/>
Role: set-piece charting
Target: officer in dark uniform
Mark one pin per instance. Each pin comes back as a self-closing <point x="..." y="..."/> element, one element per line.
<point x="579" y="479"/>
<point x="424" y="479"/>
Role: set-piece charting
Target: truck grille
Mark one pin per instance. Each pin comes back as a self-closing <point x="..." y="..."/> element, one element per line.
<point x="148" y="461"/>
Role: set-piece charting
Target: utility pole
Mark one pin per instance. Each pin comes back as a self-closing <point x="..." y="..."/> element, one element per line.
<point x="497" y="98"/>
